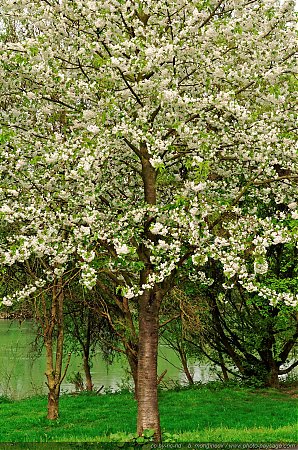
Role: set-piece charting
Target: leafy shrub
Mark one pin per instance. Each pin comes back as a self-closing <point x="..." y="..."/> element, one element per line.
<point x="4" y="399"/>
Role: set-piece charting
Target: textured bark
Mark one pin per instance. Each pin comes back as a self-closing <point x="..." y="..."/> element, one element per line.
<point x="53" y="403"/>
<point x="148" y="415"/>
<point x="53" y="375"/>
<point x="149" y="303"/>
<point x="149" y="179"/>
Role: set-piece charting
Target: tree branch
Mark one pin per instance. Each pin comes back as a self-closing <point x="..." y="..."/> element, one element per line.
<point x="169" y="320"/>
<point x="288" y="369"/>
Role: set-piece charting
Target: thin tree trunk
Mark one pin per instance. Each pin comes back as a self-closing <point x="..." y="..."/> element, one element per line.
<point x="148" y="415"/>
<point x="87" y="368"/>
<point x="53" y="386"/>
<point x="132" y="358"/>
<point x="223" y="367"/>
<point x="54" y="364"/>
<point x="183" y="359"/>
<point x="88" y="376"/>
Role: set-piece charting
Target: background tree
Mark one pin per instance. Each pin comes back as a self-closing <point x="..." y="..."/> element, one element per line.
<point x="180" y="313"/>
<point x="87" y="329"/>
<point x="243" y="331"/>
<point x="47" y="312"/>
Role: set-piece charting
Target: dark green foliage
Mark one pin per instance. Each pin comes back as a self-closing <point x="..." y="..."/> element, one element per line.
<point x="238" y="331"/>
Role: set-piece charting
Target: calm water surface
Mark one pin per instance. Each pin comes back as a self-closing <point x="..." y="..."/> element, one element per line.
<point x="22" y="373"/>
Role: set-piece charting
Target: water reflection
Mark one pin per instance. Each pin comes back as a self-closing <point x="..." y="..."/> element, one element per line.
<point x="22" y="373"/>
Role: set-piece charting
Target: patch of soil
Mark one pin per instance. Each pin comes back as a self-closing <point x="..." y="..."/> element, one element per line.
<point x="291" y="389"/>
<point x="292" y="392"/>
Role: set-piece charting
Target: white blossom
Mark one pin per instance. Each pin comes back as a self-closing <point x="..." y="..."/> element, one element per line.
<point x="122" y="249"/>
<point x="159" y="228"/>
<point x="260" y="267"/>
<point x="6" y="302"/>
<point x="91" y="118"/>
<point x="93" y="129"/>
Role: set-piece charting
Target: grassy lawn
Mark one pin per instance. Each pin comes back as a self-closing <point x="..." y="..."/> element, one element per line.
<point x="196" y="415"/>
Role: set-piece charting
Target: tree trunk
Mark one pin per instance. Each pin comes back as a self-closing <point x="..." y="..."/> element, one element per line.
<point x="88" y="376"/>
<point x="185" y="365"/>
<point x="223" y="367"/>
<point x="148" y="415"/>
<point x="53" y="394"/>
<point x="272" y="379"/>
<point x="149" y="303"/>
<point x="53" y="403"/>
<point x="86" y="350"/>
<point x="54" y="363"/>
<point x="131" y="345"/>
<point x="132" y="358"/>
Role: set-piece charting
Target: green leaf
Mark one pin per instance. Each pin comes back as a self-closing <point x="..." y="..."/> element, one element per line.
<point x="33" y="50"/>
<point x="148" y="433"/>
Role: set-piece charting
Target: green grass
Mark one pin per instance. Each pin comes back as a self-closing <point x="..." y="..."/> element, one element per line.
<point x="195" y="415"/>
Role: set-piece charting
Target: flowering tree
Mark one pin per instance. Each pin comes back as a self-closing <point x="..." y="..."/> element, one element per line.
<point x="133" y="133"/>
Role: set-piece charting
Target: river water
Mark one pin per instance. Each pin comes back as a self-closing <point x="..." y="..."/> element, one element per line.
<point x="22" y="372"/>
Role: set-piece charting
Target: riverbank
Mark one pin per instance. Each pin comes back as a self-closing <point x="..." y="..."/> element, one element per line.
<point x="22" y="370"/>
<point x="204" y="414"/>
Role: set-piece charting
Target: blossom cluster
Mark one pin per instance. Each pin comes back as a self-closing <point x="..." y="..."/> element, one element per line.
<point x="144" y="136"/>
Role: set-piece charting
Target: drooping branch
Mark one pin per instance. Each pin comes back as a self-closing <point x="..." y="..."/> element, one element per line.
<point x="288" y="369"/>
